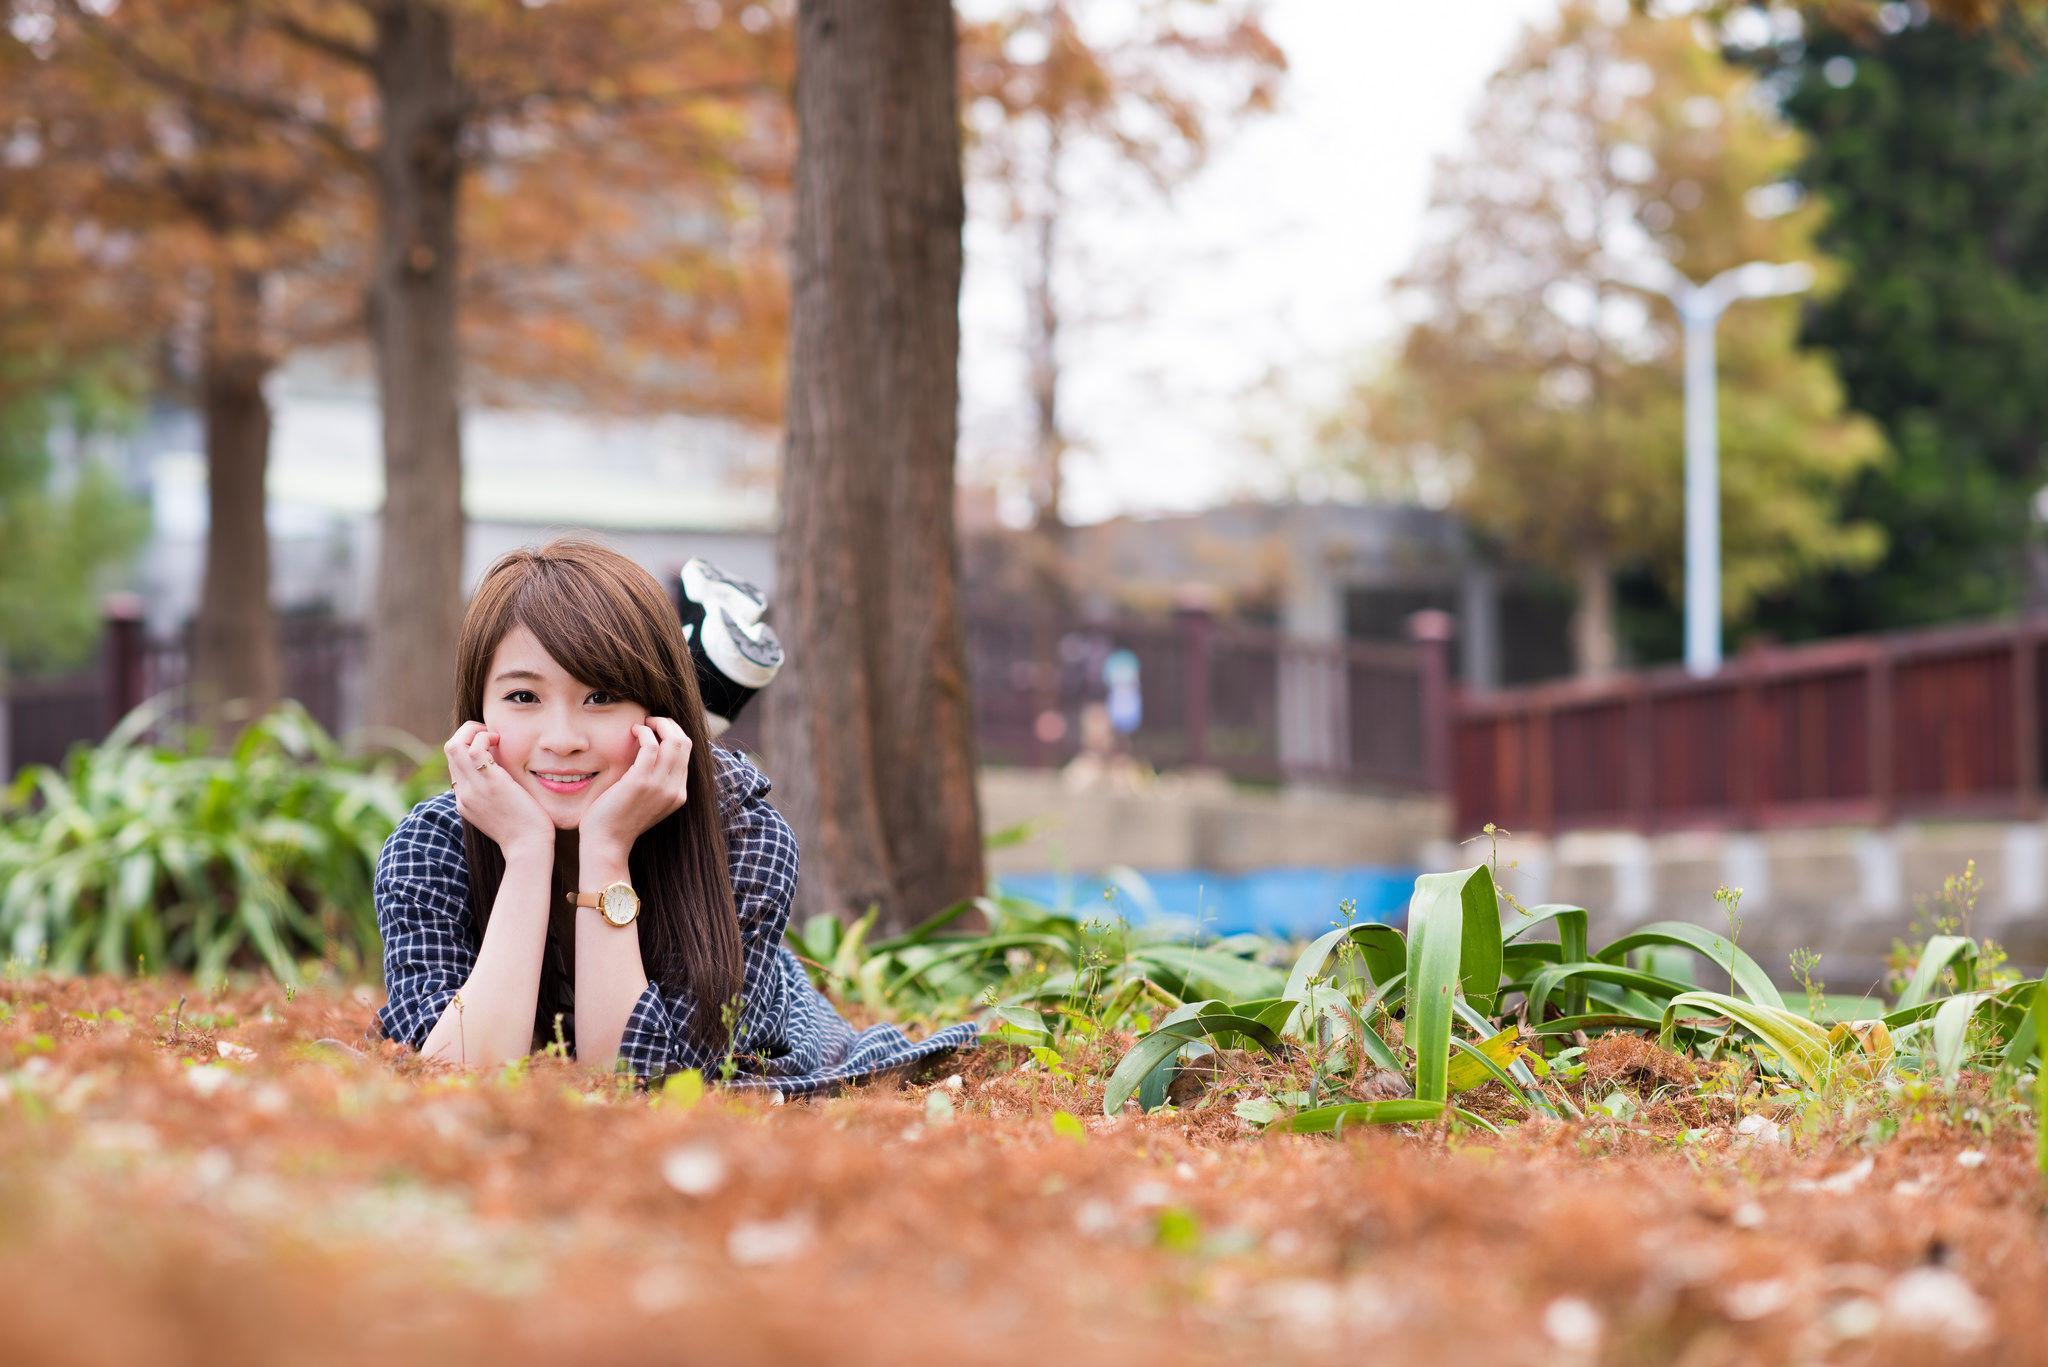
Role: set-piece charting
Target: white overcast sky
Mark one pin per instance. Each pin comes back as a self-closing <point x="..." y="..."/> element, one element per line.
<point x="1276" y="259"/>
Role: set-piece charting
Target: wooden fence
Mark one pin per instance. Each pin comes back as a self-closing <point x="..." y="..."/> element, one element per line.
<point x="1246" y="701"/>
<point x="1862" y="730"/>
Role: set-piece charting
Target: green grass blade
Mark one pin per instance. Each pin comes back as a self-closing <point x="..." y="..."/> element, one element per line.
<point x="1572" y="944"/>
<point x="1163" y="1043"/>
<point x="1952" y="1031"/>
<point x="1654" y="990"/>
<point x="1453" y="945"/>
<point x="1385" y="950"/>
<point x="1942" y="952"/>
<point x="1209" y="972"/>
<point x="1333" y="1119"/>
<point x="2038" y="1015"/>
<point x="1798" y="1041"/>
<point x="1718" y="950"/>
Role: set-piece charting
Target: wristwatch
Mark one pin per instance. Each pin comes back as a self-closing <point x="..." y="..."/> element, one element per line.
<point x="617" y="903"/>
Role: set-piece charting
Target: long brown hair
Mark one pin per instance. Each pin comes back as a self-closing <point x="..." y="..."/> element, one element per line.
<point x="608" y="623"/>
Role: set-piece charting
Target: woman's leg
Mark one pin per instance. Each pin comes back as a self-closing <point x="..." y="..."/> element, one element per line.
<point x="736" y="652"/>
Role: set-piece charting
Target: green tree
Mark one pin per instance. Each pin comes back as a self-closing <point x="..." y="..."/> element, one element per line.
<point x="1926" y="143"/>
<point x="69" y="528"/>
<point x="1544" y="396"/>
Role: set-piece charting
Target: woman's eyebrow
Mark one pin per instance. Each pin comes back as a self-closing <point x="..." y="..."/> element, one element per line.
<point x="518" y="674"/>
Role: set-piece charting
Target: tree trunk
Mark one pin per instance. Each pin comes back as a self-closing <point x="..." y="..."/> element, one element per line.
<point x="236" y="669"/>
<point x="1595" y="642"/>
<point x="412" y="309"/>
<point x="870" y="724"/>
<point x="1048" y="543"/>
<point x="1049" y="445"/>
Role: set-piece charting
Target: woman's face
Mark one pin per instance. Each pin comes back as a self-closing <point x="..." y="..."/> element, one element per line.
<point x="563" y="740"/>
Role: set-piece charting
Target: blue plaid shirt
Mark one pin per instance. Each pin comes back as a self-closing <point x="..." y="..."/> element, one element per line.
<point x="789" y="1036"/>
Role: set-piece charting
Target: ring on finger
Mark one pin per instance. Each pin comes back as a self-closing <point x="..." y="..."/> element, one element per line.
<point x="484" y="763"/>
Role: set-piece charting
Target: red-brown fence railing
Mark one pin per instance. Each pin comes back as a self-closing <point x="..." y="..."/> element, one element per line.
<point x="1245" y="700"/>
<point x="1862" y="729"/>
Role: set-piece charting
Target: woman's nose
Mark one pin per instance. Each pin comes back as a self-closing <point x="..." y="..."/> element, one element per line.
<point x="563" y="734"/>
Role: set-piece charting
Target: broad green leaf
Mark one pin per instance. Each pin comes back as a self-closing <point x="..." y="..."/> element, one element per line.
<point x="1159" y="1046"/>
<point x="1952" y="1030"/>
<point x="1798" y="1041"/>
<point x="1384" y="950"/>
<point x="1654" y="989"/>
<point x="1718" y="950"/>
<point x="1453" y="945"/>
<point x="1942" y="952"/>
<point x="1333" y="1119"/>
<point x="1487" y="1059"/>
<point x="1208" y="972"/>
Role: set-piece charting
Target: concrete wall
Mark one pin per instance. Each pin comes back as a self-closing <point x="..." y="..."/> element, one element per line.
<point x="1845" y="892"/>
<point x="1181" y="821"/>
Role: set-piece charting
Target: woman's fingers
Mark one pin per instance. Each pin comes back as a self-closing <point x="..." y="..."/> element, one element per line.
<point x="675" y="754"/>
<point x="479" y="753"/>
<point x="463" y="734"/>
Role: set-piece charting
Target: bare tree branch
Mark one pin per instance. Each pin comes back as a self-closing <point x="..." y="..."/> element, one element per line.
<point x="511" y="104"/>
<point x="319" y="40"/>
<point x="130" y="55"/>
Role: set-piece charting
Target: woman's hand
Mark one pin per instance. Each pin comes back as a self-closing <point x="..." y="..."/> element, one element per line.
<point x="657" y="784"/>
<point x="491" y="799"/>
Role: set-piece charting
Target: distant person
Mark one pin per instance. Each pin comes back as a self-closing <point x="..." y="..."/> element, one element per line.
<point x="599" y="871"/>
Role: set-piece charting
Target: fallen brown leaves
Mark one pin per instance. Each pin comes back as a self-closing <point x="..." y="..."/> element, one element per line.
<point x="215" y="1185"/>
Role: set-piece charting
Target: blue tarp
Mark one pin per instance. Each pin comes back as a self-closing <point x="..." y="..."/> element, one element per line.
<point x="1289" y="903"/>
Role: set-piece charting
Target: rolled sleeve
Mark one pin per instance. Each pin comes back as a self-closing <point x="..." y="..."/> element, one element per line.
<point x="421" y="890"/>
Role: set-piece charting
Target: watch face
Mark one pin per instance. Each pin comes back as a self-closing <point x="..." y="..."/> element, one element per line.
<point x="619" y="904"/>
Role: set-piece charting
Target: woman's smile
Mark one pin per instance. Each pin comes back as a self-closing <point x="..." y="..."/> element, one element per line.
<point x="563" y="781"/>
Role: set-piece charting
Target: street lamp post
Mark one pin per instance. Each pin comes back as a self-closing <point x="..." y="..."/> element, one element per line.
<point x="1699" y="309"/>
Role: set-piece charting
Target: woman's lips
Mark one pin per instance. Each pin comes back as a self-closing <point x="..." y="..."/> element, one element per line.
<point x="554" y="785"/>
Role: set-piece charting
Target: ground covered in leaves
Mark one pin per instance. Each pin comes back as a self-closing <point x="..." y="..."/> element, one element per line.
<point x="214" y="1183"/>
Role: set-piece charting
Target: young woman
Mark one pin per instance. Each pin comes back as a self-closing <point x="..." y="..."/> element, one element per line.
<point x="599" y="871"/>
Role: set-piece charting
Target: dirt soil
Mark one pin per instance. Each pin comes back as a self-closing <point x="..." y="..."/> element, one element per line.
<point x="212" y="1185"/>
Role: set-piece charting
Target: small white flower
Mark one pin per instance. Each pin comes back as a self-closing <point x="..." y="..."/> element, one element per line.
<point x="208" y="1078"/>
<point x="1572" y="1323"/>
<point x="694" y="1169"/>
<point x="229" y="1049"/>
<point x="1971" y="1158"/>
<point x="1309" y="1306"/>
<point x="1757" y="1300"/>
<point x="1936" y="1302"/>
<point x="1848" y="1179"/>
<point x="212" y="1167"/>
<point x="1094" y="1217"/>
<point x="755" y="1243"/>
<point x="1748" y="1215"/>
<point x="660" y="1288"/>
<point x="1855" y="1318"/>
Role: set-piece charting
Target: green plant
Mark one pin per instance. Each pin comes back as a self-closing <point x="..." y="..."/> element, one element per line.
<point x="1478" y="998"/>
<point x="172" y="856"/>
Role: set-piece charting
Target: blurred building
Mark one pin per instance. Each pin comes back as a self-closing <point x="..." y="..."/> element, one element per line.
<point x="1313" y="571"/>
<point x="661" y="489"/>
<point x="664" y="488"/>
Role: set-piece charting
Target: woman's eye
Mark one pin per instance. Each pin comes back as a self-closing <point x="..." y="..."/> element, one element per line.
<point x="520" y="695"/>
<point x="601" y="698"/>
